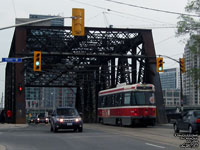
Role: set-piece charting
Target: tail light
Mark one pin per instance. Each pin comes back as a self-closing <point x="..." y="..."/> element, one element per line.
<point x="154" y="111"/>
<point x="135" y="112"/>
<point x="198" y="120"/>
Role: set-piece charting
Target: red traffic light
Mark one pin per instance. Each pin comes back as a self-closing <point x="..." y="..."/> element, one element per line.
<point x="20" y="88"/>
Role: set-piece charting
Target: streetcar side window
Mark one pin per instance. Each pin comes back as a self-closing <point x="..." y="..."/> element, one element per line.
<point x="127" y="99"/>
<point x="103" y="101"/>
<point x="112" y="100"/>
<point x="100" y="101"/>
<point x="133" y="100"/>
<point x="119" y="99"/>
<point x="109" y="101"/>
<point x="106" y="101"/>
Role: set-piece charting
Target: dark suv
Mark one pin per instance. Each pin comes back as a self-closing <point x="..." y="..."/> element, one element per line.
<point x="66" y="118"/>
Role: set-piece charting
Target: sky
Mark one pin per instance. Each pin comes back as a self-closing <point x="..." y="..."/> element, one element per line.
<point x="97" y="15"/>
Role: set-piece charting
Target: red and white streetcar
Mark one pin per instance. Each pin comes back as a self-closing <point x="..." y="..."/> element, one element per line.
<point x="127" y="105"/>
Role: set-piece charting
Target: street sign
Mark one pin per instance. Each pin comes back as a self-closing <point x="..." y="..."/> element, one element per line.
<point x="12" y="60"/>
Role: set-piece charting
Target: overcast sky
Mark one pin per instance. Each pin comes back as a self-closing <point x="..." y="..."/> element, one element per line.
<point x="96" y="16"/>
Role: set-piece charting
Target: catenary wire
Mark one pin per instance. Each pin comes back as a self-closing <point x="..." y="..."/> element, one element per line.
<point x="118" y="12"/>
<point x="153" y="9"/>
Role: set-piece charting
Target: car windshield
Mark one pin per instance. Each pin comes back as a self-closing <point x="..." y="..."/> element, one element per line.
<point x="143" y="98"/>
<point x="197" y="113"/>
<point x="67" y="112"/>
<point x="41" y="115"/>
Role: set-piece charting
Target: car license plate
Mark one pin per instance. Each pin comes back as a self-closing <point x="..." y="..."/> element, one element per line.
<point x="69" y="124"/>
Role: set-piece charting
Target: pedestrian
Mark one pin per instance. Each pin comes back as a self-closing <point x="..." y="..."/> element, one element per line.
<point x="2" y="116"/>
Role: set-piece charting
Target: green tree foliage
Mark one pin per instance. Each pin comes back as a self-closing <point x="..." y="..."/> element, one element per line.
<point x="188" y="25"/>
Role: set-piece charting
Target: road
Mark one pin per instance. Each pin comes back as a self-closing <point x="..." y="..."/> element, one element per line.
<point x="94" y="137"/>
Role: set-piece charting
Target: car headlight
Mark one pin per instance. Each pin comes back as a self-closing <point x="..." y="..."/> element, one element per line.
<point x="60" y="119"/>
<point x="38" y="119"/>
<point x="77" y="119"/>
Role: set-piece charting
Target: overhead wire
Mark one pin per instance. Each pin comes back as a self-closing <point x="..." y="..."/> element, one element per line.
<point x="89" y="19"/>
<point x="153" y="9"/>
<point x="166" y="39"/>
<point x="118" y="12"/>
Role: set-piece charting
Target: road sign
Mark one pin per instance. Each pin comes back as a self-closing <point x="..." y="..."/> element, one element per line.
<point x="12" y="60"/>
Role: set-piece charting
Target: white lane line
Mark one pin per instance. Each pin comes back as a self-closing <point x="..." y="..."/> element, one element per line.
<point x="154" y="145"/>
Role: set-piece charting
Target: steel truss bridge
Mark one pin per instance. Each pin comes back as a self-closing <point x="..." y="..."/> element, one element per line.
<point x="101" y="59"/>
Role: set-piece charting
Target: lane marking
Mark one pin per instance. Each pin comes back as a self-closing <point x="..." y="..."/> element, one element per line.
<point x="154" y="145"/>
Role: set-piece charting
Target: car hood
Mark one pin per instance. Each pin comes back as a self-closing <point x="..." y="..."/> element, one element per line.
<point x="67" y="117"/>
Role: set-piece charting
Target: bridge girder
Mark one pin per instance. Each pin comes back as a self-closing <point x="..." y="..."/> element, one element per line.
<point x="101" y="59"/>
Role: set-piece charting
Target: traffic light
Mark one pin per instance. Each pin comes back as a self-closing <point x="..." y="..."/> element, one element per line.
<point x="37" y="61"/>
<point x="20" y="88"/>
<point x="78" y="27"/>
<point x="182" y="65"/>
<point x="159" y="64"/>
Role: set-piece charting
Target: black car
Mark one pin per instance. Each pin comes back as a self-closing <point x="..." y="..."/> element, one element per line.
<point x="66" y="118"/>
<point x="41" y="118"/>
<point x="32" y="119"/>
<point x="190" y="121"/>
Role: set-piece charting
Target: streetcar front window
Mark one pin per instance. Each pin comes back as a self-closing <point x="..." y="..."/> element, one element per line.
<point x="144" y="98"/>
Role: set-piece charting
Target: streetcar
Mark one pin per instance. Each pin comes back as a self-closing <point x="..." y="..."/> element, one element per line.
<point x="127" y="105"/>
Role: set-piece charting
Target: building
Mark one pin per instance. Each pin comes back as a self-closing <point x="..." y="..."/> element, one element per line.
<point x="34" y="17"/>
<point x="191" y="87"/>
<point x="170" y="81"/>
<point x="47" y="99"/>
<point x="55" y="22"/>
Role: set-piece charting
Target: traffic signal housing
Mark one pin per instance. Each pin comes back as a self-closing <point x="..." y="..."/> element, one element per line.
<point x="78" y="27"/>
<point x="182" y="65"/>
<point x="159" y="64"/>
<point x="37" y="61"/>
<point x="20" y="88"/>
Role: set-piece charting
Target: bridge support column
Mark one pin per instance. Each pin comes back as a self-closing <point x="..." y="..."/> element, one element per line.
<point x="20" y="111"/>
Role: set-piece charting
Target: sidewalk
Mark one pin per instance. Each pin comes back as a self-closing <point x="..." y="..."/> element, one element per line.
<point x="2" y="147"/>
<point x="10" y="126"/>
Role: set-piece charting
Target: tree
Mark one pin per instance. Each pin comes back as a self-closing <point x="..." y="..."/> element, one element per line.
<point x="190" y="25"/>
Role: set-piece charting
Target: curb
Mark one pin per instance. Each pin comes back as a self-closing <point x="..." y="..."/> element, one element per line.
<point x="10" y="126"/>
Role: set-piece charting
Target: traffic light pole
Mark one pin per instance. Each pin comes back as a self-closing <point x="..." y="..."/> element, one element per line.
<point x="181" y="82"/>
<point x="181" y="92"/>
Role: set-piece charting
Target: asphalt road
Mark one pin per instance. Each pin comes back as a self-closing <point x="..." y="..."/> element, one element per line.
<point x="94" y="137"/>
